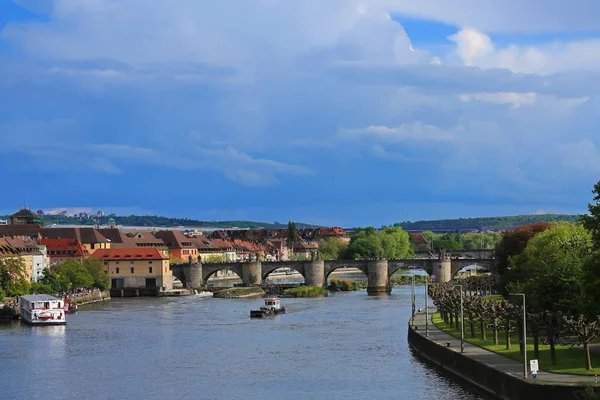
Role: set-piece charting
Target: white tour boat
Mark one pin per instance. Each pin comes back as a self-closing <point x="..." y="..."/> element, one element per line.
<point x="42" y="309"/>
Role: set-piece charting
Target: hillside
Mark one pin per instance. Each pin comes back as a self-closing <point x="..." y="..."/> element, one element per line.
<point x="482" y="223"/>
<point x="157" y="221"/>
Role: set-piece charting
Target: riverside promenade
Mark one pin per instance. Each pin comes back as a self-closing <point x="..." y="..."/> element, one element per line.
<point x="492" y="359"/>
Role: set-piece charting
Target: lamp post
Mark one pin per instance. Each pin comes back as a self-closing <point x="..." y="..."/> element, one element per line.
<point x="524" y="334"/>
<point x="462" y="321"/>
<point x="426" y="307"/>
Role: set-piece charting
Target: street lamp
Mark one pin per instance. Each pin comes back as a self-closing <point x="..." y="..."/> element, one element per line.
<point x="524" y="333"/>
<point x="462" y="321"/>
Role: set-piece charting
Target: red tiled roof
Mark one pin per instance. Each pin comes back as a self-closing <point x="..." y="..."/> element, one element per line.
<point x="419" y="238"/>
<point x="222" y="244"/>
<point x="72" y="245"/>
<point x="149" y="253"/>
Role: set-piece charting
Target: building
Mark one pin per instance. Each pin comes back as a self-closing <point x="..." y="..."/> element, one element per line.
<point x="128" y="240"/>
<point x="60" y="250"/>
<point x="90" y="238"/>
<point x="34" y="256"/>
<point x="181" y="248"/>
<point x="224" y="247"/>
<point x="25" y="217"/>
<point x="136" y="268"/>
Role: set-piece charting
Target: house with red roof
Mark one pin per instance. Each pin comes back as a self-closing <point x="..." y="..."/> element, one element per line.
<point x="60" y="250"/>
<point x="136" y="268"/>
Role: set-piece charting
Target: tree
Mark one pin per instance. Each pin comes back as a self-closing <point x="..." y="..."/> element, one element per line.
<point x="514" y="242"/>
<point x="586" y="331"/>
<point x="96" y="269"/>
<point x="592" y="221"/>
<point x="551" y="268"/>
<point x="13" y="277"/>
<point x="75" y="274"/>
<point x="332" y="248"/>
<point x="292" y="236"/>
<point x="395" y="243"/>
<point x="390" y="243"/>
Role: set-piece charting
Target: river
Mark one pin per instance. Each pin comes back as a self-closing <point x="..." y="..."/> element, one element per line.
<point x="345" y="346"/>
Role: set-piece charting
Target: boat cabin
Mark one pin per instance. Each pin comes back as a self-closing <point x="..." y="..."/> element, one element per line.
<point x="42" y="309"/>
<point x="272" y="302"/>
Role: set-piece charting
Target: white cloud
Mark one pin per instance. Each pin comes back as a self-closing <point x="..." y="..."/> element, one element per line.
<point x="417" y="131"/>
<point x="475" y="48"/>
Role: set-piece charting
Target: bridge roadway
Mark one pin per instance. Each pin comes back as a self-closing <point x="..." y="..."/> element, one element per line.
<point x="315" y="273"/>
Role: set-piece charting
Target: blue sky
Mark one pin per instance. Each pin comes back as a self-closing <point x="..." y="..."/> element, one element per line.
<point x="343" y="112"/>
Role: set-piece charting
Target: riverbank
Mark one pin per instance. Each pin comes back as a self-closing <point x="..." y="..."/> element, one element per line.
<point x="499" y="377"/>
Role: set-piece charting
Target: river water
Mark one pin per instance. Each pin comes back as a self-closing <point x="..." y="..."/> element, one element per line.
<point x="345" y="346"/>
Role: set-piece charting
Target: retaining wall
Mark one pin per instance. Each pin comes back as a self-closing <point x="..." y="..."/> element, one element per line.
<point x="485" y="378"/>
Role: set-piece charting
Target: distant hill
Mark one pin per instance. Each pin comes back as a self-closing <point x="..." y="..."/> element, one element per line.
<point x="484" y="223"/>
<point x="157" y="221"/>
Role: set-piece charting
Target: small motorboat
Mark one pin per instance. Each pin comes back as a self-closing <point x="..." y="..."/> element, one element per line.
<point x="70" y="307"/>
<point x="272" y="307"/>
<point x="203" y="294"/>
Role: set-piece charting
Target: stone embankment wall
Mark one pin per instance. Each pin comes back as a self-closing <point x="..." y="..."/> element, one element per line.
<point x="484" y="378"/>
<point x="91" y="297"/>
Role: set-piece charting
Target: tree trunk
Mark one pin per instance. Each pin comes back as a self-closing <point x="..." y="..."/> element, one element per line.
<point x="483" y="331"/>
<point x="495" y="335"/>
<point x="536" y="346"/>
<point x="521" y="341"/>
<point x="552" y="351"/>
<point x="457" y="321"/>
<point x="472" y="326"/>
<point x="508" y="344"/>
<point x="588" y="359"/>
<point x="450" y="316"/>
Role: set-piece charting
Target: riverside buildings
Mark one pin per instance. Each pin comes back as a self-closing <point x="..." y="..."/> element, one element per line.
<point x="140" y="258"/>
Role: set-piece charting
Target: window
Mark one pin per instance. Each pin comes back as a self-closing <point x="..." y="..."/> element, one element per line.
<point x="117" y="262"/>
<point x="117" y="270"/>
<point x="105" y="262"/>
<point x="130" y="262"/>
<point x="132" y="268"/>
<point x="149" y="262"/>
<point x="149" y="270"/>
<point x="92" y="246"/>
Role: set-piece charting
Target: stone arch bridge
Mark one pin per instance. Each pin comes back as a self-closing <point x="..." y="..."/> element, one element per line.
<point x="315" y="273"/>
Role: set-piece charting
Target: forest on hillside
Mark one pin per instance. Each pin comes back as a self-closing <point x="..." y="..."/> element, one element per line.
<point x="158" y="221"/>
<point x="482" y="223"/>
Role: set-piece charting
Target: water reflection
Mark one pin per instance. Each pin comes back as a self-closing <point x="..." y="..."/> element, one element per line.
<point x="348" y="345"/>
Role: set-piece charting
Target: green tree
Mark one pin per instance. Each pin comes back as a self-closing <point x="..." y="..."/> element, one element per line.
<point x="550" y="271"/>
<point x="292" y="236"/>
<point x="390" y="243"/>
<point x="98" y="273"/>
<point x="13" y="277"/>
<point x="40" y="288"/>
<point x="75" y="274"/>
<point x="511" y="245"/>
<point x="395" y="243"/>
<point x="592" y="221"/>
<point x="332" y="248"/>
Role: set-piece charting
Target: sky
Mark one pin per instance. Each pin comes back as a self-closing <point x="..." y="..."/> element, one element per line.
<point x="332" y="112"/>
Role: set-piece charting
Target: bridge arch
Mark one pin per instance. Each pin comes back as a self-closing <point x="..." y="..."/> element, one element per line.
<point x="473" y="266"/>
<point x="208" y="270"/>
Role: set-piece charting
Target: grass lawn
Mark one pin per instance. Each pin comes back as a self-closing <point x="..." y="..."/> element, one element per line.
<point x="494" y="297"/>
<point x="568" y="360"/>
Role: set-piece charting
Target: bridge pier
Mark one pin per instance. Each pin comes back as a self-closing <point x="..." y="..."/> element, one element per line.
<point x="442" y="270"/>
<point x="252" y="273"/>
<point x="378" y="281"/>
<point x="314" y="273"/>
<point x="190" y="275"/>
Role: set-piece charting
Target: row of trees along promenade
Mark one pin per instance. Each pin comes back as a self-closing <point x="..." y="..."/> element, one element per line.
<point x="557" y="267"/>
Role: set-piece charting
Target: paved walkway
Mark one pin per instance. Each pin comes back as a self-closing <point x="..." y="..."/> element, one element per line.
<point x="495" y="360"/>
